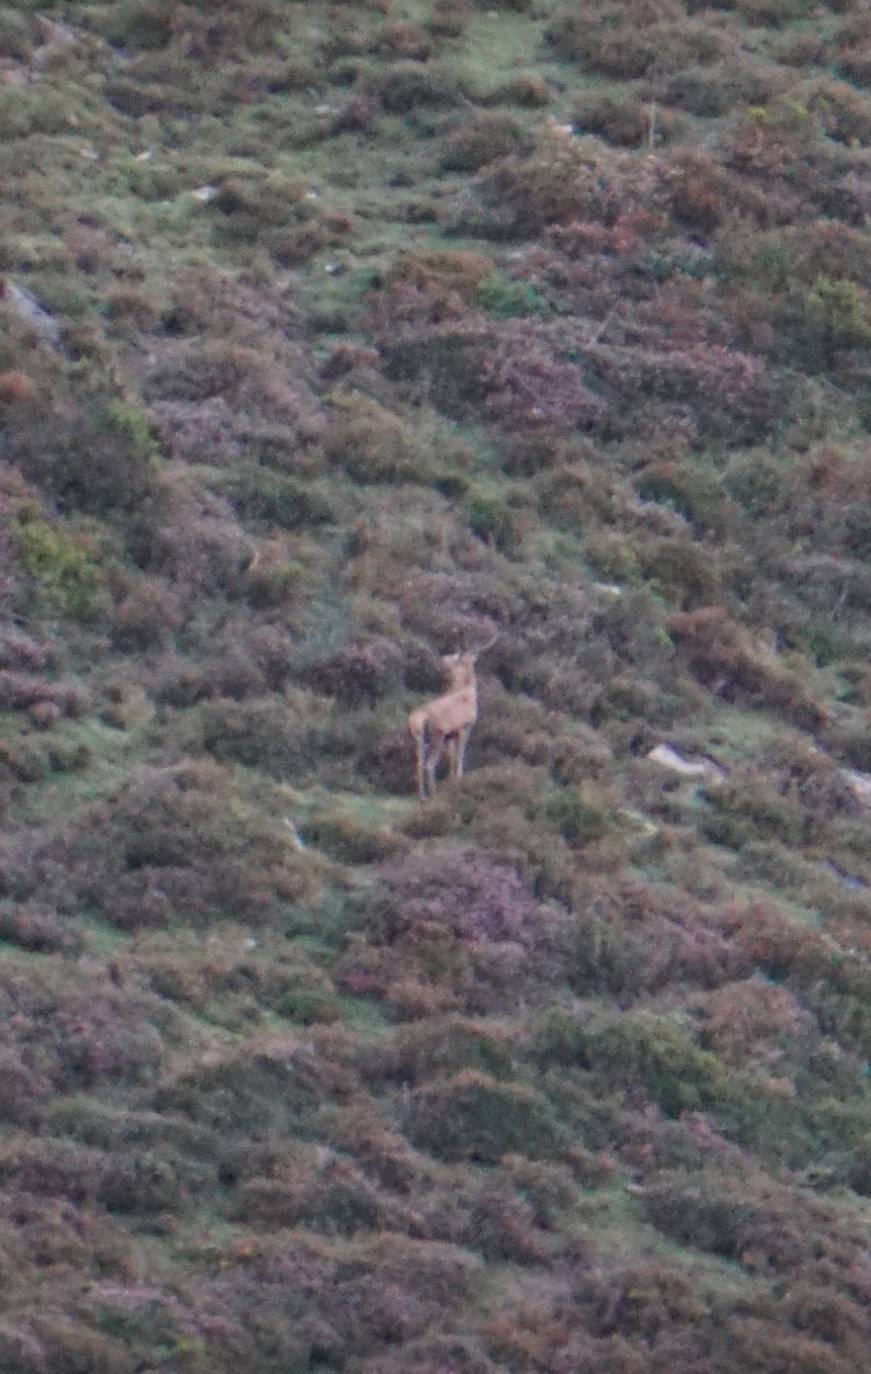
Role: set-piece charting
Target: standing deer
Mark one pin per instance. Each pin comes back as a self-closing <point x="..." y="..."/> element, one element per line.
<point x="448" y="720"/>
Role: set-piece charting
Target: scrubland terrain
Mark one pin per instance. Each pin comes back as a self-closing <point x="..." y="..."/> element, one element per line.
<point x="334" y="338"/>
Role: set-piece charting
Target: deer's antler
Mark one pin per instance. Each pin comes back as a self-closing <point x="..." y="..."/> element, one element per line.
<point x="488" y="644"/>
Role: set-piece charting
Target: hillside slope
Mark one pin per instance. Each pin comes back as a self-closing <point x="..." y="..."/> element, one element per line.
<point x="335" y="338"/>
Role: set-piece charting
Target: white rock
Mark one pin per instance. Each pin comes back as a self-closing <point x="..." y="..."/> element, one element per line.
<point x="667" y="757"/>
<point x="860" y="783"/>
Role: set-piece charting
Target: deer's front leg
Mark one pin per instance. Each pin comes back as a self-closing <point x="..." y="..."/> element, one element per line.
<point x="421" y="772"/>
<point x="460" y="750"/>
<point x="432" y="764"/>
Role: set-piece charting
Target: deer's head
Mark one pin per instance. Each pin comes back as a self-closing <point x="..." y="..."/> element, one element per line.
<point x="459" y="668"/>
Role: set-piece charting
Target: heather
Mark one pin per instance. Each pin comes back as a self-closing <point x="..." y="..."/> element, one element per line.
<point x="333" y="339"/>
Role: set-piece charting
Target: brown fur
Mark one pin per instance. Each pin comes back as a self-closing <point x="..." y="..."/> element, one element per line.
<point x="447" y="721"/>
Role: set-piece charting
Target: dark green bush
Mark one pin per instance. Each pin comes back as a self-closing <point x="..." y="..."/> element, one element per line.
<point x="475" y="143"/>
<point x="404" y="87"/>
<point x="473" y="1116"/>
<point x="97" y="457"/>
<point x="578" y="816"/>
<point x="261" y="494"/>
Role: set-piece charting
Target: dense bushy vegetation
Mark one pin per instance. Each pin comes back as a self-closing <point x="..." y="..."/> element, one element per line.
<point x="334" y="338"/>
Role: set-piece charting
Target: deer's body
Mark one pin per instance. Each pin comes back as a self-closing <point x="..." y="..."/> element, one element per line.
<point x="447" y="721"/>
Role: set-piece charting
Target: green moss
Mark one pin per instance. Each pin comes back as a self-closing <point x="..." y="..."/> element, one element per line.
<point x="658" y="1055"/>
<point x="578" y="818"/>
<point x="505" y="300"/>
<point x="66" y="578"/>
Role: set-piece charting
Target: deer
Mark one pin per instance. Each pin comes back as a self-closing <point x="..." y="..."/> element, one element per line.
<point x="447" y="721"/>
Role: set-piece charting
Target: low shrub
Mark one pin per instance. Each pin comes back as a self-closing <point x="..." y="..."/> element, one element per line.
<point x="604" y="42"/>
<point x="371" y="443"/>
<point x="405" y="87"/>
<point x="579" y="815"/>
<point x="448" y="18"/>
<point x="757" y="1225"/>
<point x="334" y="1198"/>
<point x="146" y="617"/>
<point x="472" y="1116"/>
<point x="482" y="140"/>
<point x="712" y="90"/>
<point x="363" y="672"/>
<point x="16" y="386"/>
<point x="280" y="501"/>
<point x="15" y="35"/>
<point x="202" y="34"/>
<point x="141" y="1182"/>
<point x="39" y="930"/>
<point x="21" y="692"/>
<point x="275" y="1087"/>
<point x="724" y="657"/>
<point x="625" y="120"/>
<point x="283" y="738"/>
<point x="114" y="467"/>
<point x="680" y="570"/>
<point x="439" y="272"/>
<point x="526" y="194"/>
<point x="502" y="299"/>
<point x="65" y="576"/>
<point x="492" y="520"/>
<point x="175" y="843"/>
<point x="405" y="41"/>
<point x="837" y="317"/>
<point x="657" y="1055"/>
<point x="755" y="1018"/>
<point x="440" y="1047"/>
<point x="25" y="112"/>
<point x="344" y="838"/>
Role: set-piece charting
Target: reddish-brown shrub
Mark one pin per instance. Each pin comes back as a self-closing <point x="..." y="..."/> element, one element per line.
<point x="624" y="121"/>
<point x="355" y="117"/>
<point x="39" y="929"/>
<point x="402" y="41"/>
<point x="440" y="271"/>
<point x="530" y="92"/>
<point x="516" y="371"/>
<point x="335" y="1198"/>
<point x="18" y="650"/>
<point x="147" y="616"/>
<point x="699" y="192"/>
<point x="16" y="386"/>
<point x="362" y="672"/>
<point x="474" y="896"/>
<point x="440" y="1046"/>
<point x="19" y="692"/>
<point x="729" y="395"/>
<point x="131" y="309"/>
<point x="612" y="41"/>
<point x="753" y="1018"/>
<point x="724" y="657"/>
<point x="448" y="18"/>
<point x="479" y="141"/>
<point x="757" y="1225"/>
